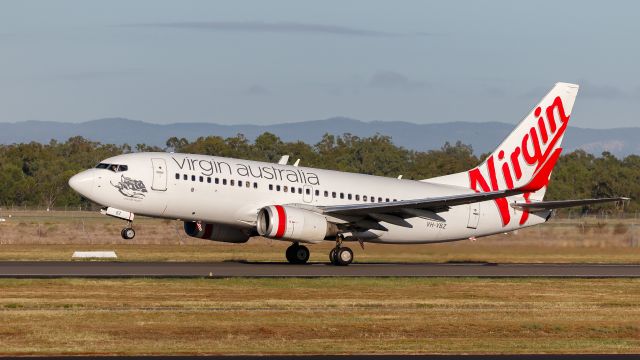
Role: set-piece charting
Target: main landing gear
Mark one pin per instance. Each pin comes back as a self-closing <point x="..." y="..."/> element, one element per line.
<point x="297" y="254"/>
<point x="340" y="255"/>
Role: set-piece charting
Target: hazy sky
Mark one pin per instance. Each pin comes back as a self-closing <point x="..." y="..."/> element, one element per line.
<point x="282" y="61"/>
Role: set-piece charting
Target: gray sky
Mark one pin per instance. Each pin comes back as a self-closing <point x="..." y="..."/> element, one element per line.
<point x="281" y="61"/>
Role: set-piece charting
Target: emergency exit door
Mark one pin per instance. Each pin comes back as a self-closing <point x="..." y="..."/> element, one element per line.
<point x="474" y="215"/>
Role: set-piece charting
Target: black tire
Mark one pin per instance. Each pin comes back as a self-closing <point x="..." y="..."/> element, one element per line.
<point x="344" y="256"/>
<point x="332" y="256"/>
<point x="290" y="254"/>
<point x="123" y="234"/>
<point x="301" y="255"/>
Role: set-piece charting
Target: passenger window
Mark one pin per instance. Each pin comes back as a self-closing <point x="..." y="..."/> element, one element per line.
<point x="386" y="200"/>
<point x="185" y="177"/>
<point x="248" y="184"/>
<point x="308" y="191"/>
<point x="373" y="199"/>
<point x="379" y="199"/>
<point x="277" y="187"/>
<point x="224" y="181"/>
<point x="357" y="197"/>
<point x="201" y="179"/>
<point x="333" y="194"/>
<point x="395" y="200"/>
<point x="232" y="182"/>
<point x="349" y="196"/>
<point x="300" y="190"/>
<point x="341" y="195"/>
<point x="317" y="192"/>
<point x="193" y="178"/>
<point x="293" y="189"/>
<point x="270" y="186"/>
<point x="364" y="198"/>
<point x="326" y="193"/>
<point x="177" y="176"/>
<point x="239" y="183"/>
<point x="208" y="180"/>
<point x="285" y="188"/>
<point x="217" y="181"/>
<point x="255" y="185"/>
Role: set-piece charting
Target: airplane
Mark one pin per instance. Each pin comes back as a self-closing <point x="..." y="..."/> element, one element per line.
<point x="232" y="200"/>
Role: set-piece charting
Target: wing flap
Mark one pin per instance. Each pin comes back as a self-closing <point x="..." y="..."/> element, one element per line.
<point x="550" y="205"/>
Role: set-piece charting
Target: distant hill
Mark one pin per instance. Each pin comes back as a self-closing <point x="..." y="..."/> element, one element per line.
<point x="483" y="137"/>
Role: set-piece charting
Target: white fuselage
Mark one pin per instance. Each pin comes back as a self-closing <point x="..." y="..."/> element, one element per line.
<point x="206" y="188"/>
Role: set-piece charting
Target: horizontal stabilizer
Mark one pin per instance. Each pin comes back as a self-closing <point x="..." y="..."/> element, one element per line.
<point x="550" y="205"/>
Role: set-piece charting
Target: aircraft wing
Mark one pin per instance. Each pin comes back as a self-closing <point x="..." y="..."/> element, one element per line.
<point x="550" y="205"/>
<point x="433" y="204"/>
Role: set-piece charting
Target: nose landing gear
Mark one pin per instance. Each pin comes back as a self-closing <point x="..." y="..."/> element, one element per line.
<point x="128" y="233"/>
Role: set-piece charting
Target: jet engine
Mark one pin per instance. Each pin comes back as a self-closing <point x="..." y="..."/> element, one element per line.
<point x="215" y="232"/>
<point x="291" y="223"/>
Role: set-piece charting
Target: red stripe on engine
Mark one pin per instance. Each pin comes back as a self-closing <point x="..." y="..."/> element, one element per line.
<point x="208" y="229"/>
<point x="282" y="221"/>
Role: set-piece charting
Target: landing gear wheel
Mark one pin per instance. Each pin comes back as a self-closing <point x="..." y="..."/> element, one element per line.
<point x="128" y="233"/>
<point x="343" y="256"/>
<point x="332" y="256"/>
<point x="297" y="254"/>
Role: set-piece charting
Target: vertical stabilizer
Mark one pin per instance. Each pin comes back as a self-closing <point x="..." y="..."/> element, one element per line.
<point x="535" y="142"/>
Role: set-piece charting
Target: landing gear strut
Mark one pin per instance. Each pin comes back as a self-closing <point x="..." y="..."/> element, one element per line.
<point x="340" y="255"/>
<point x="297" y="254"/>
<point x="128" y="233"/>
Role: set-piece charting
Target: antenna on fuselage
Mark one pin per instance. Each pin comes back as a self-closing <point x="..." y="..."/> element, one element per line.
<point x="296" y="163"/>
<point x="399" y="177"/>
<point x="283" y="160"/>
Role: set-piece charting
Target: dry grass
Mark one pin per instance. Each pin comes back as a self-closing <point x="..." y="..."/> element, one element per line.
<point x="40" y="235"/>
<point x="319" y="316"/>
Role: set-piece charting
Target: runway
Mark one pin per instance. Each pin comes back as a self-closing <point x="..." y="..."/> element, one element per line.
<point x="100" y="269"/>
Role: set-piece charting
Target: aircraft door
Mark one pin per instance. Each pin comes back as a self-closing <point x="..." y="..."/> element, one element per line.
<point x="159" y="175"/>
<point x="307" y="193"/>
<point x="474" y="215"/>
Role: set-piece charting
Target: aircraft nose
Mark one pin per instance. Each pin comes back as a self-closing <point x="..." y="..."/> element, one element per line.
<point x="82" y="183"/>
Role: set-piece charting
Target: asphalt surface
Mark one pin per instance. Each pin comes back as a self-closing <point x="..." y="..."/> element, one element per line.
<point x="355" y="357"/>
<point x="101" y="269"/>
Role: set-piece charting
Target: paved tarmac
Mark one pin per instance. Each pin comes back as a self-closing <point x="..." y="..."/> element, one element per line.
<point x="102" y="269"/>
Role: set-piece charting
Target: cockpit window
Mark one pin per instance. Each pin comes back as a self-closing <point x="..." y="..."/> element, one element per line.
<point x="112" y="167"/>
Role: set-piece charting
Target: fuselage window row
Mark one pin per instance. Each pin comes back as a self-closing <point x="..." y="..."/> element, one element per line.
<point x="217" y="181"/>
<point x="284" y="188"/>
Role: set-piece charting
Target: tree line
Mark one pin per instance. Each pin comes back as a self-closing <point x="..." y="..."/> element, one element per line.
<point x="36" y="175"/>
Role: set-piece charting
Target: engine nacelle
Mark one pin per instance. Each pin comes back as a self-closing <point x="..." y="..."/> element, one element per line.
<point x="291" y="223"/>
<point x="215" y="232"/>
